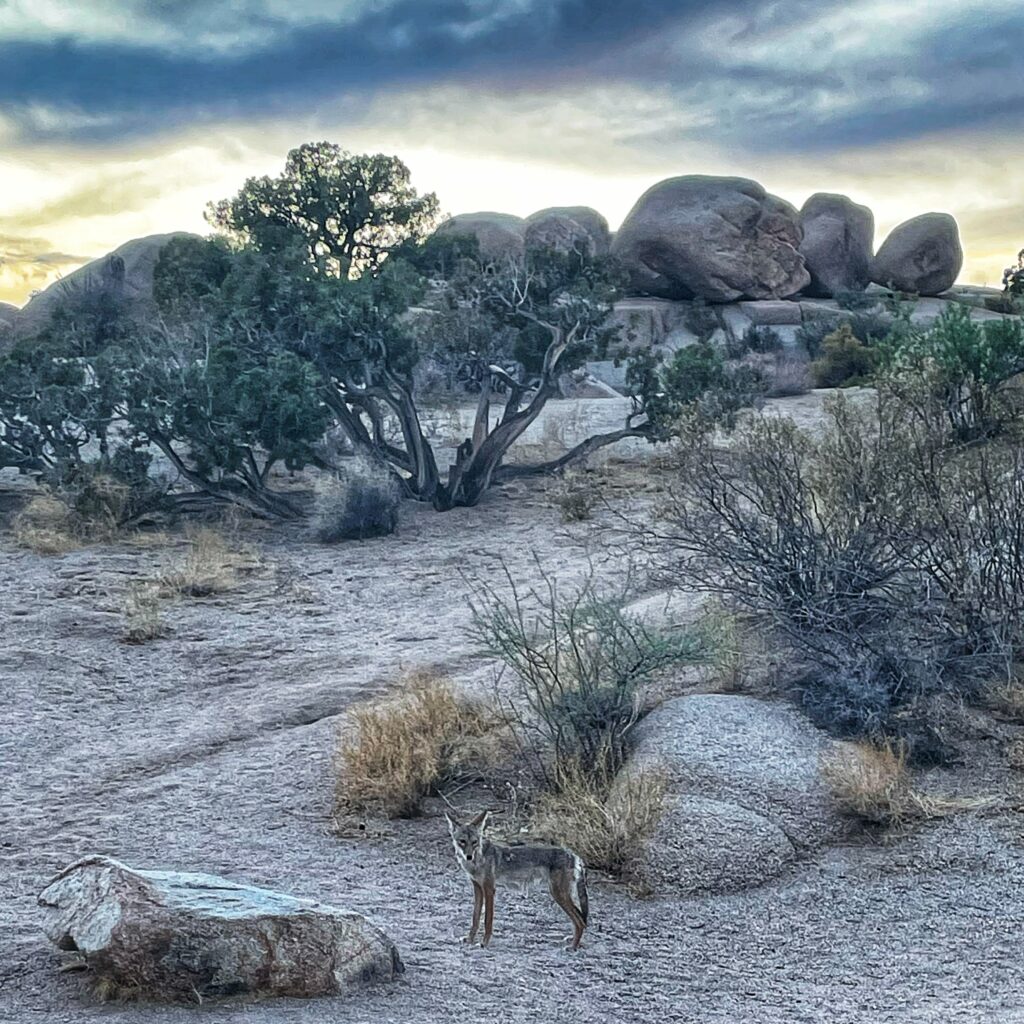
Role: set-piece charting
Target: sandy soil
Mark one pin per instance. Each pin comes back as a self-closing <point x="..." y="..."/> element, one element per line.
<point x="210" y="750"/>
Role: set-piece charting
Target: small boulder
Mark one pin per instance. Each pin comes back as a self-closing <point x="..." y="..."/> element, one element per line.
<point x="717" y="239"/>
<point x="922" y="255"/>
<point x="839" y="238"/>
<point x="588" y="219"/>
<point x="710" y="846"/>
<point x="762" y="756"/>
<point x="173" y="936"/>
<point x="500" y="235"/>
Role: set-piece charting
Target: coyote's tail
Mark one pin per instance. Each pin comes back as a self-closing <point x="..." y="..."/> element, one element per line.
<point x="579" y="879"/>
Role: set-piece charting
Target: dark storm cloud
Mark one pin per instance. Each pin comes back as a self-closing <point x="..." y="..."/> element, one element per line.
<point x="769" y="78"/>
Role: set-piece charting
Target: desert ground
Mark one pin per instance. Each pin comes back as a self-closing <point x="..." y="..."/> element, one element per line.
<point x="210" y="749"/>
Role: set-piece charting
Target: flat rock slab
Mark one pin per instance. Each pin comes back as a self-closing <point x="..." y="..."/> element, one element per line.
<point x="176" y="936"/>
<point x="769" y="312"/>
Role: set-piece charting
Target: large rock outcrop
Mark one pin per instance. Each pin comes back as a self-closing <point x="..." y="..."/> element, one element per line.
<point x="176" y="936"/>
<point x="839" y="238"/>
<point x="550" y="225"/>
<point x="921" y="255"/>
<point x="499" y="235"/>
<point x="126" y="275"/>
<point x="745" y="792"/>
<point x="717" y="239"/>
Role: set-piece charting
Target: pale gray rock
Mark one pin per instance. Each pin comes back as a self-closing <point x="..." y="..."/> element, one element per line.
<point x="760" y="755"/>
<point x="922" y="255"/>
<point x="126" y="275"/>
<point x="718" y="239"/>
<point x="839" y="238"/>
<point x="703" y="846"/>
<point x="178" y="936"/>
<point x="561" y="233"/>
<point x="500" y="235"/>
<point x="772" y="313"/>
<point x="587" y="218"/>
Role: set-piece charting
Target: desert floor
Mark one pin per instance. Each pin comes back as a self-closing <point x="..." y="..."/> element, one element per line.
<point x="210" y="749"/>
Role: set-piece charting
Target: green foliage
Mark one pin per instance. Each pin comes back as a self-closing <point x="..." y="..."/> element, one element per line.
<point x="1013" y="278"/>
<point x="757" y="338"/>
<point x="844" y="360"/>
<point x="963" y="367"/>
<point x="346" y="213"/>
<point x="702" y="320"/>
<point x="697" y="380"/>
<point x="856" y="301"/>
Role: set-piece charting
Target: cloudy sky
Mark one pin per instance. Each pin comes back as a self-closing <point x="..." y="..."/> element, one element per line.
<point x="120" y="118"/>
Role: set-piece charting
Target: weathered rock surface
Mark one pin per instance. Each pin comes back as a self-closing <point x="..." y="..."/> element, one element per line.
<point x="126" y="274"/>
<point x="719" y="239"/>
<point x="561" y="233"/>
<point x="772" y="313"/>
<point x="839" y="238"/>
<point x="178" y="936"/>
<point x="710" y="846"/>
<point x="921" y="255"/>
<point x="762" y="756"/>
<point x="499" y="234"/>
<point x="592" y="222"/>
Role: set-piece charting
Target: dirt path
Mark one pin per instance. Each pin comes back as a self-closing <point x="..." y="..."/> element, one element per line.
<point x="209" y="750"/>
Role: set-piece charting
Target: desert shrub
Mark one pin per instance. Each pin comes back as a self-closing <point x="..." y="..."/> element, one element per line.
<point x="856" y="301"/>
<point x="360" y="502"/>
<point x="968" y="372"/>
<point x="782" y="374"/>
<point x="1005" y="696"/>
<point x="1013" y="278"/>
<point x="580" y="661"/>
<point x="577" y="494"/>
<point x="142" y="619"/>
<point x="867" y="327"/>
<point x="874" y="784"/>
<point x="888" y="562"/>
<point x="756" y="338"/>
<point x="843" y="361"/>
<point x="398" y="749"/>
<point x="606" y="826"/>
<point x="46" y="526"/>
<point x="209" y="567"/>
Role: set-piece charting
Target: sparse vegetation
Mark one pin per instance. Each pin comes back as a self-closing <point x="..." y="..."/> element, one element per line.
<point x="401" y="748"/>
<point x="142" y="615"/>
<point x="606" y="826"/>
<point x="576" y="494"/>
<point x="360" y="502"/>
<point x="873" y="784"/>
<point x="844" y="360"/>
<point x="209" y="567"/>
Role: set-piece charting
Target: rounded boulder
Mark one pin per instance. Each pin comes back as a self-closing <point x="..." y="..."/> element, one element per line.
<point x="922" y="255"/>
<point x="839" y="238"/>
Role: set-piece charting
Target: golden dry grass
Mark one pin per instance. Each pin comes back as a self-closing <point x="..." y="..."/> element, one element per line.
<point x="606" y="825"/>
<point x="209" y="567"/>
<point x="576" y="494"/>
<point x="873" y="783"/>
<point x="46" y="526"/>
<point x="142" y="619"/>
<point x="400" y="748"/>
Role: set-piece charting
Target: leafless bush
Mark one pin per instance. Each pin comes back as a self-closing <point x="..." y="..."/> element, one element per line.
<point x="579" y="661"/>
<point x="888" y="561"/>
<point x="577" y="493"/>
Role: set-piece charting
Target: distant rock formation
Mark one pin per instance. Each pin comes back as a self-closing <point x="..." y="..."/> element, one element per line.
<point x="839" y="239"/>
<point x="125" y="274"/>
<point x="499" y="234"/>
<point x="554" y="222"/>
<point x="922" y="255"/>
<point x="718" y="239"/>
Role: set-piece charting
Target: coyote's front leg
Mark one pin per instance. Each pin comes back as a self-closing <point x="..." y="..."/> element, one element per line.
<point x="478" y="902"/>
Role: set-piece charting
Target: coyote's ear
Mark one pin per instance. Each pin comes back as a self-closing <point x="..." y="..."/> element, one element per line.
<point x="480" y="821"/>
<point x="452" y="823"/>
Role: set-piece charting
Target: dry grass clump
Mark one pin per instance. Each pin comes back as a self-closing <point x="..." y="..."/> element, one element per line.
<point x="143" y="621"/>
<point x="606" y="825"/>
<point x="46" y="526"/>
<point x="873" y="783"/>
<point x="210" y="567"/>
<point x="360" y="503"/>
<point x="400" y="748"/>
<point x="1006" y="698"/>
<point x="576" y="494"/>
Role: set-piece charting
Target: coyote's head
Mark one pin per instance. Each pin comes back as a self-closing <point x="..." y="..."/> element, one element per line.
<point x="469" y="838"/>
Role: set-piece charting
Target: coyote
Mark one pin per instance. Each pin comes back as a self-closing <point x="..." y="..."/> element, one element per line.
<point x="526" y="863"/>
